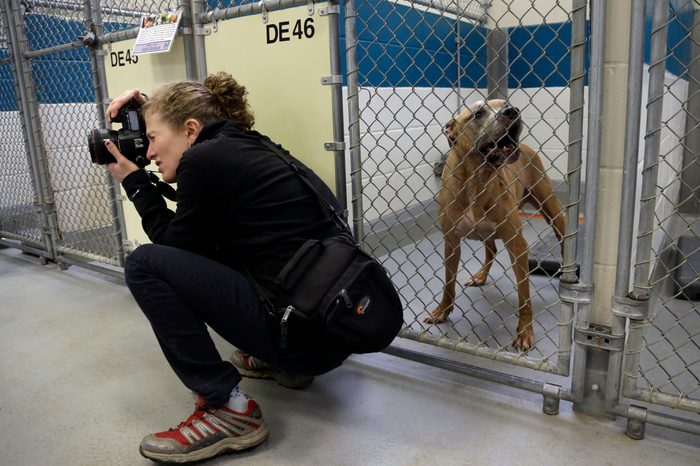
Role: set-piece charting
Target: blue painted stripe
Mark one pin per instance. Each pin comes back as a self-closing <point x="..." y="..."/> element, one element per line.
<point x="539" y="56"/>
<point x="398" y="47"/>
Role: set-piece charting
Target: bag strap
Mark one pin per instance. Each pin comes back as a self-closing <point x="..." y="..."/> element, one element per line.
<point x="301" y="173"/>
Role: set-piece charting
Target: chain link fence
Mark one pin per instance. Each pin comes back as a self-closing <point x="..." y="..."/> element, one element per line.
<point x="411" y="67"/>
<point x="663" y="349"/>
<point x="20" y="214"/>
<point x="419" y="64"/>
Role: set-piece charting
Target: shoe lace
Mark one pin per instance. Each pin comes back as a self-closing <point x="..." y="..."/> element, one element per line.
<point x="200" y="409"/>
<point x="252" y="362"/>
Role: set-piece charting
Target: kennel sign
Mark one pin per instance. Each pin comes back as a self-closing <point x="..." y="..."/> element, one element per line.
<point x="281" y="60"/>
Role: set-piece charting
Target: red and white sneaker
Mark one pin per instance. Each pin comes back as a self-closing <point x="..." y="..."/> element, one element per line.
<point x="208" y="432"/>
<point x="250" y="366"/>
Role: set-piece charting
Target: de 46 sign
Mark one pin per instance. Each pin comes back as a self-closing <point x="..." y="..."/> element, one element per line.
<point x="286" y="31"/>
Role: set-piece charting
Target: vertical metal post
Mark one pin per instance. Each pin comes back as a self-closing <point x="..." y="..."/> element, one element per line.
<point x="337" y="102"/>
<point x="189" y="31"/>
<point x="576" y="84"/>
<point x="576" y="105"/>
<point x="200" y="57"/>
<point x="29" y="111"/>
<point x="351" y="42"/>
<point x="635" y="77"/>
<point x="595" y="122"/>
<point x="93" y="17"/>
<point x="652" y="144"/>
<point x="497" y="64"/>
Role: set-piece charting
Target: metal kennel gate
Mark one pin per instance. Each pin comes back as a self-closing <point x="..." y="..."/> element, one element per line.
<point x="661" y="310"/>
<point x="56" y="86"/>
<point x="418" y="63"/>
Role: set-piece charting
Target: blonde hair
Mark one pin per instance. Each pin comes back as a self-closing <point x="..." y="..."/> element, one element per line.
<point x="218" y="97"/>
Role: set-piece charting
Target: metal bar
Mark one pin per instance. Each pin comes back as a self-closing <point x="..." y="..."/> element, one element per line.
<point x="100" y="267"/>
<point x="576" y="105"/>
<point x="663" y="420"/>
<point x="118" y="36"/>
<point x="633" y="350"/>
<point x="576" y="84"/>
<point x="351" y="43"/>
<point x="497" y="64"/>
<point x="652" y="144"/>
<point x="32" y="127"/>
<point x="337" y="106"/>
<point x="595" y="123"/>
<point x="57" y="48"/>
<point x="200" y="56"/>
<point x="191" y="68"/>
<point x="99" y="78"/>
<point x="78" y="6"/>
<point x="248" y="9"/>
<point x="459" y="12"/>
<point x="635" y="77"/>
<point x="23" y="244"/>
<point x="482" y="351"/>
<point x="565" y="339"/>
<point x="466" y="369"/>
<point x="664" y="399"/>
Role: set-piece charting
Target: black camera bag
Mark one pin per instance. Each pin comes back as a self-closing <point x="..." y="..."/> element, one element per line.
<point x="335" y="287"/>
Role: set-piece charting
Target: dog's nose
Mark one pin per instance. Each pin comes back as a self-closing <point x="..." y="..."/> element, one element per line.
<point x="510" y="112"/>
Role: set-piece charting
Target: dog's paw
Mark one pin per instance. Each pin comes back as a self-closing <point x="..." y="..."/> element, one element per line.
<point x="436" y="317"/>
<point x="525" y="340"/>
<point x="476" y="280"/>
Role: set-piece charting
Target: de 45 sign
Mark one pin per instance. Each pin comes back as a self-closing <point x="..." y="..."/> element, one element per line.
<point x="286" y="31"/>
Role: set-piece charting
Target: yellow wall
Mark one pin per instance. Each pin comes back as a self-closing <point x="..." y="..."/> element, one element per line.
<point x="283" y="79"/>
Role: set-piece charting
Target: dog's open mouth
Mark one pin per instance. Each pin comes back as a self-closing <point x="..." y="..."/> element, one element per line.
<point x="505" y="149"/>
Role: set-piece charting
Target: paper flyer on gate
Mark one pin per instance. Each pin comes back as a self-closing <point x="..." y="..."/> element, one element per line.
<point x="157" y="32"/>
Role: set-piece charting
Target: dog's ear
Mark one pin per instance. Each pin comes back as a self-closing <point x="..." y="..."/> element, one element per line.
<point x="448" y="130"/>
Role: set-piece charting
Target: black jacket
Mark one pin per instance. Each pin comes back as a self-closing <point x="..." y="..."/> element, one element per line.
<point x="237" y="203"/>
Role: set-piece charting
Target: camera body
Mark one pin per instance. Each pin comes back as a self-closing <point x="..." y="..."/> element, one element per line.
<point x="131" y="139"/>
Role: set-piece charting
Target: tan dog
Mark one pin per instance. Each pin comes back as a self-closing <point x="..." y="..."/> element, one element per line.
<point x="488" y="176"/>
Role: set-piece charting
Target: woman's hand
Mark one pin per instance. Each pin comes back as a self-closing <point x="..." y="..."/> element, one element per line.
<point x="119" y="102"/>
<point x="123" y="166"/>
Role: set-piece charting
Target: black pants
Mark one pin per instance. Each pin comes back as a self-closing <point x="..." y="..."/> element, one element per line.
<point x="181" y="293"/>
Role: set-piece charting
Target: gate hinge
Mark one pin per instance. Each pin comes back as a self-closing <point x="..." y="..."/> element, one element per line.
<point x="575" y="293"/>
<point x="332" y="79"/>
<point x="630" y="308"/>
<point x="199" y="31"/>
<point x="334" y="146"/>
<point x="329" y="10"/>
<point x="599" y="337"/>
<point x="550" y="405"/>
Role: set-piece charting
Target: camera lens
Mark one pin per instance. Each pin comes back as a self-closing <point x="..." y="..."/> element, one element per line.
<point x="96" y="143"/>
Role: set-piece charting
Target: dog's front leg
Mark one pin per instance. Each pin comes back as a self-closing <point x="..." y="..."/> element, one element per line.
<point x="453" y="252"/>
<point x="479" y="278"/>
<point x="517" y="250"/>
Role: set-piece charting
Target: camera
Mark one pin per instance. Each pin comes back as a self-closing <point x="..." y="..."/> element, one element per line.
<point x="131" y="139"/>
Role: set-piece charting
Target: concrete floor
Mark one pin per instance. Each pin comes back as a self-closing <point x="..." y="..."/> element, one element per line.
<point x="82" y="381"/>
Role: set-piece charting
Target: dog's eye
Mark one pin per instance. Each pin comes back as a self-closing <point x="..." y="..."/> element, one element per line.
<point x="478" y="114"/>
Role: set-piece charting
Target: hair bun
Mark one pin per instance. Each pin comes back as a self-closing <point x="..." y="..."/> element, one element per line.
<point x="230" y="97"/>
